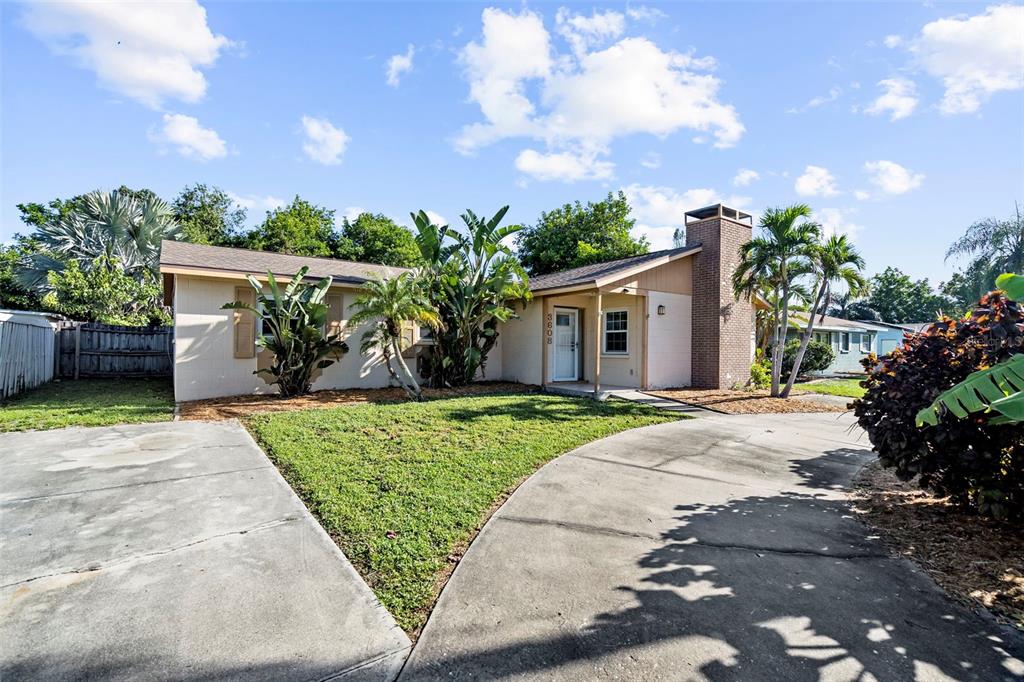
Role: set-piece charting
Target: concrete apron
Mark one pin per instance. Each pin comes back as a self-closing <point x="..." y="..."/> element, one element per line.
<point x="173" y="551"/>
<point x="718" y="548"/>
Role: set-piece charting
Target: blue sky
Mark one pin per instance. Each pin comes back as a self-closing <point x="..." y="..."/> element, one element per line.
<point x="899" y="123"/>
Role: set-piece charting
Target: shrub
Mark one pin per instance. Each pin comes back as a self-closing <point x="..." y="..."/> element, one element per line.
<point x="977" y="464"/>
<point x="761" y="370"/>
<point x="818" y="357"/>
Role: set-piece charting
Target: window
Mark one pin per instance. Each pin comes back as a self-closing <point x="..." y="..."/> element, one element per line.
<point x="855" y="338"/>
<point x="426" y="334"/>
<point x="616" y="332"/>
<point x="865" y="343"/>
<point x="844" y="342"/>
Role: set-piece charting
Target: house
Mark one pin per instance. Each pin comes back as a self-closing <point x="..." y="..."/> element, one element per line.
<point x="661" y="319"/>
<point x="851" y="340"/>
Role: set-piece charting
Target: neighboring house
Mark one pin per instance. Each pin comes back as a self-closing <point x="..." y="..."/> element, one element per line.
<point x="851" y="340"/>
<point x="661" y="319"/>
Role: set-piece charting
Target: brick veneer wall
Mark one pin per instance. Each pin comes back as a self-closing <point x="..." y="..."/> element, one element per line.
<point x="722" y="326"/>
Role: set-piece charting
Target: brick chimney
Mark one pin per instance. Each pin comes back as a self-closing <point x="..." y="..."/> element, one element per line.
<point x="723" y="328"/>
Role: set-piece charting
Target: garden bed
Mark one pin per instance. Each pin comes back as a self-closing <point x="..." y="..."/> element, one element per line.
<point x="977" y="560"/>
<point x="404" y="488"/>
<point x="240" y="406"/>
<point x="744" y="402"/>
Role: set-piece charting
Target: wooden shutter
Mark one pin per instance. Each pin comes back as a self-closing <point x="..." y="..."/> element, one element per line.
<point x="407" y="334"/>
<point x="245" y="324"/>
<point x="335" y="314"/>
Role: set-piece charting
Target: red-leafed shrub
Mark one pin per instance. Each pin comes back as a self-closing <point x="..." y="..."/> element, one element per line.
<point x="975" y="463"/>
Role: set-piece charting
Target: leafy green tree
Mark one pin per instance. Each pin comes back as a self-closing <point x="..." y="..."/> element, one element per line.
<point x="375" y="238"/>
<point x="897" y="298"/>
<point x="575" y="235"/>
<point x="997" y="243"/>
<point x="124" y="226"/>
<point x="104" y="292"/>
<point x="390" y="305"/>
<point x="834" y="261"/>
<point x="474" y="281"/>
<point x="208" y="215"/>
<point x="300" y="228"/>
<point x="37" y="215"/>
<point x="13" y="295"/>
<point x="295" y="321"/>
<point x="772" y="262"/>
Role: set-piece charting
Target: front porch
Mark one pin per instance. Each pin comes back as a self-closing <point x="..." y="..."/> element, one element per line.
<point x="583" y="389"/>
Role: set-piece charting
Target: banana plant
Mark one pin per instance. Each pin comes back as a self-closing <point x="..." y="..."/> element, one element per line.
<point x="999" y="388"/>
<point x="294" y="326"/>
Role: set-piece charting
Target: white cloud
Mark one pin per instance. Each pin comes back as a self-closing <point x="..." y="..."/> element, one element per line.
<point x="974" y="57"/>
<point x="324" y="143"/>
<point x="836" y="221"/>
<point x="821" y="100"/>
<point x="745" y="176"/>
<point x="564" y="166"/>
<point x="352" y="212"/>
<point x="578" y="102"/>
<point x="584" y="32"/>
<point x="643" y="13"/>
<point x="862" y="195"/>
<point x="254" y="201"/>
<point x="651" y="160"/>
<point x="146" y="51"/>
<point x="816" y="182"/>
<point x="893" y="41"/>
<point x="660" y="210"/>
<point x="892" y="178"/>
<point x="436" y="218"/>
<point x="190" y="139"/>
<point x="399" y="64"/>
<point x="899" y="98"/>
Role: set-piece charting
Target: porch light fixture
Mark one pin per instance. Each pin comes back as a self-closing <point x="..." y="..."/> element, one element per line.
<point x="661" y="310"/>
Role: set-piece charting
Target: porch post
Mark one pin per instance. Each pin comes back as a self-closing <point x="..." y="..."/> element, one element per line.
<point x="645" y="319"/>
<point x="597" y="347"/>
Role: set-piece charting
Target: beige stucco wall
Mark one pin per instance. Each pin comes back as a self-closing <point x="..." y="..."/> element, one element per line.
<point x="205" y="366"/>
<point x="519" y="345"/>
<point x="668" y="340"/>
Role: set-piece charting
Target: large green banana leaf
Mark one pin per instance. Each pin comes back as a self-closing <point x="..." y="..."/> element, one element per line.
<point x="999" y="388"/>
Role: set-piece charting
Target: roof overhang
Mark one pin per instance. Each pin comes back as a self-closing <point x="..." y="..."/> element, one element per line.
<point x="219" y="273"/>
<point x="600" y="282"/>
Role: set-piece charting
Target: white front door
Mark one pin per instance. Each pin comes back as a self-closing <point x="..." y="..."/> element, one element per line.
<point x="567" y="345"/>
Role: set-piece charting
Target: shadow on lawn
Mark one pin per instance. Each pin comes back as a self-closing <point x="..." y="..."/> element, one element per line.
<point x="548" y="408"/>
<point x="782" y="586"/>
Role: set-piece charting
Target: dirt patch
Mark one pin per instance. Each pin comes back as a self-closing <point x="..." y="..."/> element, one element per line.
<point x="238" y="406"/>
<point x="975" y="559"/>
<point x="745" y="402"/>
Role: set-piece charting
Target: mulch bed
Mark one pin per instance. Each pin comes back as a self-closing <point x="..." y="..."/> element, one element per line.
<point x="975" y="559"/>
<point x="745" y="402"/>
<point x="236" y="407"/>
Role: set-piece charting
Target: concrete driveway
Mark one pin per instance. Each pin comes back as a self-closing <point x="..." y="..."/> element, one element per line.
<point x="173" y="551"/>
<point x="719" y="548"/>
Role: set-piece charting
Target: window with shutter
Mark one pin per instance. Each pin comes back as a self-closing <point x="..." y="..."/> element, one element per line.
<point x="335" y="314"/>
<point x="245" y="324"/>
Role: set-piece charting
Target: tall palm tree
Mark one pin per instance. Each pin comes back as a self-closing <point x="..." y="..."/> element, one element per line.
<point x="835" y="261"/>
<point x="999" y="244"/>
<point x="116" y="225"/>
<point x="771" y="260"/>
<point x="390" y="305"/>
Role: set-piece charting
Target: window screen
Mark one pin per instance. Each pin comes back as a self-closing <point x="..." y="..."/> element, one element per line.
<point x="616" y="334"/>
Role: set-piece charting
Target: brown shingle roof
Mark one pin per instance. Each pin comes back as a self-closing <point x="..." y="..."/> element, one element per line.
<point x="222" y="258"/>
<point x="592" y="274"/>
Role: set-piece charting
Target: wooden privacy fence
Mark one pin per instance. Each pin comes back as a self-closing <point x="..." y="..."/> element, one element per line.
<point x="105" y="350"/>
<point x="26" y="354"/>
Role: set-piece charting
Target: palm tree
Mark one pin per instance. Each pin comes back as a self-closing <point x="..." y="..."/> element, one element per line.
<point x="390" y="305"/>
<point x="115" y="225"/>
<point x="846" y="307"/>
<point x="772" y="260"/>
<point x="834" y="261"/>
<point x="998" y="244"/>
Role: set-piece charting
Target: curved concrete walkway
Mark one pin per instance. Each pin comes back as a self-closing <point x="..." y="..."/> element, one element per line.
<point x="718" y="548"/>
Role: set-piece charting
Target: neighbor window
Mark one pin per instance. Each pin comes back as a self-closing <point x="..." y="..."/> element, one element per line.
<point x="865" y="343"/>
<point x="426" y="334"/>
<point x="844" y="342"/>
<point x="616" y="332"/>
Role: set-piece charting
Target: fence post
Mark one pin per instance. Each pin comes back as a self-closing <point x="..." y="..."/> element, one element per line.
<point x="78" y="346"/>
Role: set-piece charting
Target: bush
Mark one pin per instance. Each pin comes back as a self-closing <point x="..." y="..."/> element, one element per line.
<point x="818" y="357"/>
<point x="977" y="464"/>
<point x="761" y="370"/>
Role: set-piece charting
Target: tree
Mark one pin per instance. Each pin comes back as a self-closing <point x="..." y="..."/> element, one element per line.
<point x="575" y="235"/>
<point x="678" y="238"/>
<point x="835" y="261"/>
<point x="390" y="305"/>
<point x="13" y="295"/>
<point x="125" y="226"/>
<point x="104" y="292"/>
<point x="474" y="282"/>
<point x="300" y="228"/>
<point x="772" y="261"/>
<point x="897" y="298"/>
<point x="208" y="215"/>
<point x="964" y="288"/>
<point x="845" y="306"/>
<point x="376" y="238"/>
<point x="997" y="244"/>
<point x="296" y="320"/>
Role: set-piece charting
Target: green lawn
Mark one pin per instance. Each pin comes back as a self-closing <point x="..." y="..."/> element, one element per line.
<point x="89" y="402"/>
<point x="404" y="487"/>
<point x="849" y="388"/>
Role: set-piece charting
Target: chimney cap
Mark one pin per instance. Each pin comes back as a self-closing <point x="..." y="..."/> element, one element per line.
<point x="718" y="211"/>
